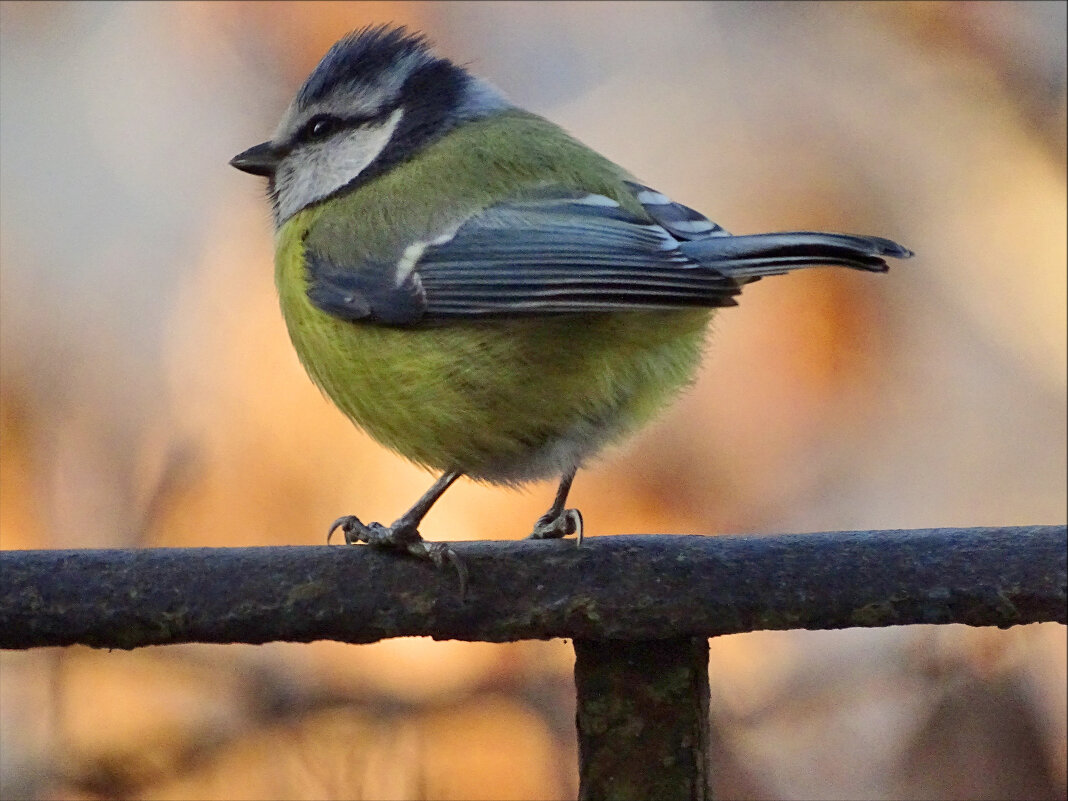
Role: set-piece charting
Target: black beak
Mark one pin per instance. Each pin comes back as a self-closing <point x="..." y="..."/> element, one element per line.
<point x="262" y="159"/>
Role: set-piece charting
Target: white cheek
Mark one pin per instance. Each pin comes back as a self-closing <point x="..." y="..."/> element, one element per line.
<point x="315" y="172"/>
<point x="349" y="157"/>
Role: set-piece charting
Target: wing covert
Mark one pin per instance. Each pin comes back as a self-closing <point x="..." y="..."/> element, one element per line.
<point x="554" y="251"/>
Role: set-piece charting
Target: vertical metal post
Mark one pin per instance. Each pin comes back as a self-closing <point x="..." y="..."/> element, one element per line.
<point x="642" y="715"/>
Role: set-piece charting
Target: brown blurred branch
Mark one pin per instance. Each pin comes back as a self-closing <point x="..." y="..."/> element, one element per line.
<point x="269" y="696"/>
<point x="622" y="587"/>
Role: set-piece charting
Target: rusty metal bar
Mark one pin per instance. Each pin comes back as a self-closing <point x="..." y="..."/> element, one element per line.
<point x="612" y="588"/>
<point x="642" y="718"/>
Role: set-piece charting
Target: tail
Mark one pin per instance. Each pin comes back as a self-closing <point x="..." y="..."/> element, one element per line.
<point x="748" y="258"/>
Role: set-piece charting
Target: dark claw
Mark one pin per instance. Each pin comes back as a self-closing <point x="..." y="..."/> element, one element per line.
<point x="350" y="526"/>
<point x="399" y="537"/>
<point x="438" y="553"/>
<point x="375" y="534"/>
<point x="569" y="521"/>
<point x="576" y="520"/>
<point x="335" y="526"/>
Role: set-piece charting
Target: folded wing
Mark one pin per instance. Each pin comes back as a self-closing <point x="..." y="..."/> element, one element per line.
<point x="559" y="251"/>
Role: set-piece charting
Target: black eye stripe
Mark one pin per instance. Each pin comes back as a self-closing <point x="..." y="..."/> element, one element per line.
<point x="318" y="127"/>
<point x="359" y="120"/>
<point x="323" y="126"/>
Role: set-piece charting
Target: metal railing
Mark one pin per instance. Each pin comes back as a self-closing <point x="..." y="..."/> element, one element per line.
<point x="639" y="609"/>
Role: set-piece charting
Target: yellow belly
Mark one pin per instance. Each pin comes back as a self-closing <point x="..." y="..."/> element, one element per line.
<point x="504" y="400"/>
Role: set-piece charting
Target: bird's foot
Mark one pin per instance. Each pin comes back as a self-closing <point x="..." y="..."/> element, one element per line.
<point x="554" y="525"/>
<point x="400" y="537"/>
<point x="356" y="531"/>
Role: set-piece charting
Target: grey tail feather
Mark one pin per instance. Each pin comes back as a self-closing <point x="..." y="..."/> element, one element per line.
<point x="747" y="258"/>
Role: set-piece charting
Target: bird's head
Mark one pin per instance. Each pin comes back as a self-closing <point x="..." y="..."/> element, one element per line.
<point x="375" y="100"/>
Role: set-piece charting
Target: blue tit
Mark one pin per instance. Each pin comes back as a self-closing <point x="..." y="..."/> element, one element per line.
<point x="479" y="291"/>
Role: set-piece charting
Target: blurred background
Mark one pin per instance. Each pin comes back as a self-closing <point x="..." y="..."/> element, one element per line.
<point x="150" y="397"/>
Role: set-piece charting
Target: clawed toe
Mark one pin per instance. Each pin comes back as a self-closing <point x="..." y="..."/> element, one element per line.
<point x="439" y="553"/>
<point x="355" y="532"/>
<point x="550" y="526"/>
<point x="401" y="538"/>
<point x="350" y="526"/>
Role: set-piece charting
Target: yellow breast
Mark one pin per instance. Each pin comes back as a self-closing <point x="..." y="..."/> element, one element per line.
<point x="505" y="400"/>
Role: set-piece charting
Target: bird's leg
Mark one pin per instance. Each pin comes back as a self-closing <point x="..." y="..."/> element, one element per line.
<point x="404" y="533"/>
<point x="558" y="521"/>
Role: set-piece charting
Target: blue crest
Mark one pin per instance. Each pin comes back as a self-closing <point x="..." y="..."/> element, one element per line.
<point x="361" y="56"/>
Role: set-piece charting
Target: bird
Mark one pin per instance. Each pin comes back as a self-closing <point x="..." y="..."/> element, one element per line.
<point x="478" y="290"/>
